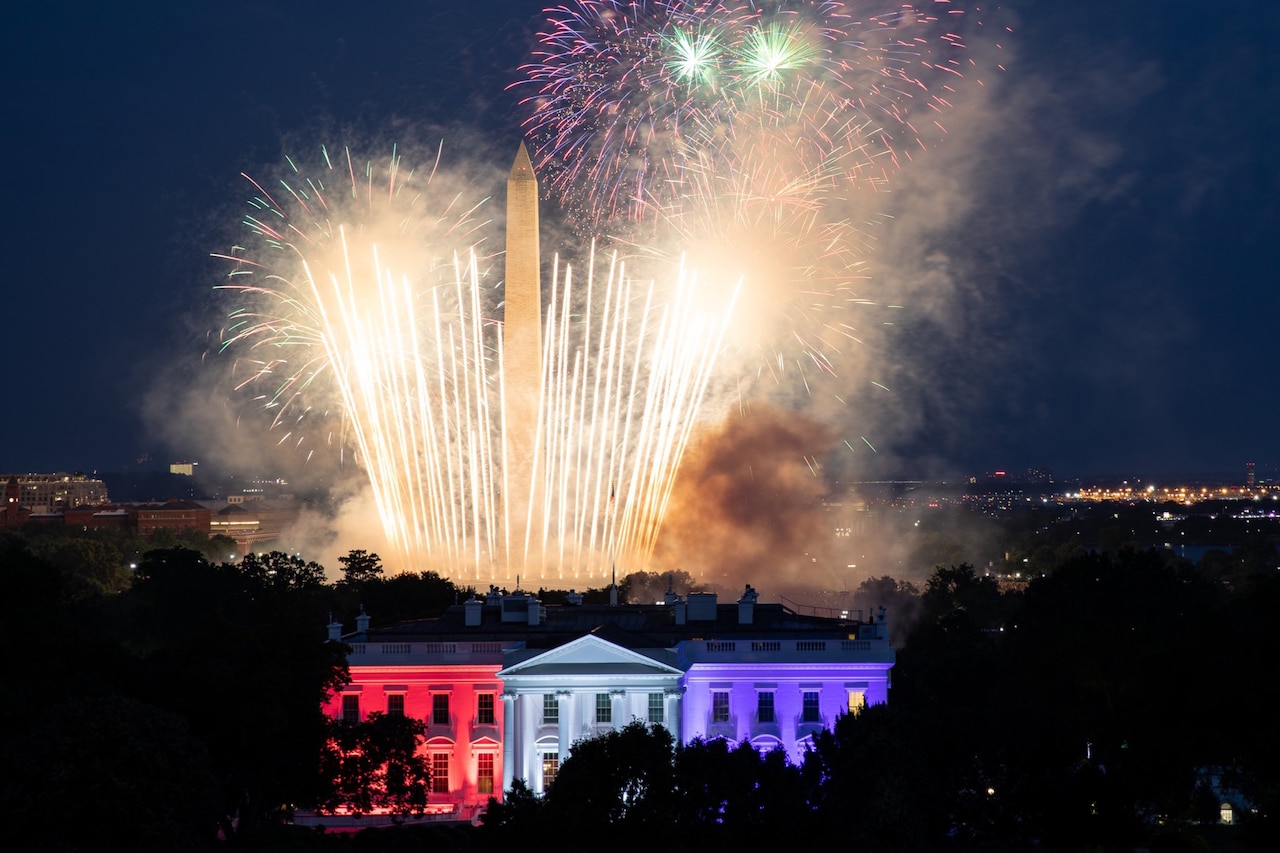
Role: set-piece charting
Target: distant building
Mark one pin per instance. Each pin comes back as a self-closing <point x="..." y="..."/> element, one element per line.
<point x="143" y="519"/>
<point x="506" y="685"/>
<point x="254" y="523"/>
<point x="12" y="512"/>
<point x="44" y="494"/>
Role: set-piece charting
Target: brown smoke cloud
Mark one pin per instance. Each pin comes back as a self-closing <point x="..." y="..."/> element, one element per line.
<point x="746" y="507"/>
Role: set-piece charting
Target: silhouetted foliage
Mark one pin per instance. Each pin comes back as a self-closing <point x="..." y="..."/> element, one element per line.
<point x="360" y="567"/>
<point x="375" y="763"/>
<point x="108" y="773"/>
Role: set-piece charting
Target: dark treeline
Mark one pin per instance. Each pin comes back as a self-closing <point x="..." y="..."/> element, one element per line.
<point x="1090" y="710"/>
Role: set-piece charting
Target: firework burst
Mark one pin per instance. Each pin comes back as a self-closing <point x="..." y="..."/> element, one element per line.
<point x="364" y="291"/>
<point x="622" y="94"/>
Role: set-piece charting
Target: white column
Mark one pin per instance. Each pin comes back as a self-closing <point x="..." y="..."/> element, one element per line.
<point x="508" y="740"/>
<point x="564" y="731"/>
<point x="671" y="712"/>
<point x="616" y="702"/>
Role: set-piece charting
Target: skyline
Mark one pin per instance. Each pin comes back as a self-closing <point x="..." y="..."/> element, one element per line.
<point x="1083" y="258"/>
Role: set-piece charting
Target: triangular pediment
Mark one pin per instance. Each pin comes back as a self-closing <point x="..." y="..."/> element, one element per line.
<point x="586" y="655"/>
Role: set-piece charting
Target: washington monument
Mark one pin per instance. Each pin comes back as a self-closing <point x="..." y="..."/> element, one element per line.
<point x="521" y="349"/>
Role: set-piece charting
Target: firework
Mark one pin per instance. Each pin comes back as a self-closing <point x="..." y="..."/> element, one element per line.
<point x="624" y="94"/>
<point x="366" y="291"/>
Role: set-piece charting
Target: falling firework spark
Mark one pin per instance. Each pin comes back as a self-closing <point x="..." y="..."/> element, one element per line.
<point x="364" y="290"/>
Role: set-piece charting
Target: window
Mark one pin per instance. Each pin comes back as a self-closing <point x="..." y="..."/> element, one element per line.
<point x="440" y="772"/>
<point x="857" y="701"/>
<point x="440" y="709"/>
<point x="655" y="708"/>
<point x="550" y="708"/>
<point x="550" y="767"/>
<point x="604" y="708"/>
<point x="809" y="713"/>
<point x="764" y="706"/>
<point x="720" y="706"/>
<point x="350" y="708"/>
<point x="484" y="709"/>
<point x="395" y="705"/>
<point x="484" y="773"/>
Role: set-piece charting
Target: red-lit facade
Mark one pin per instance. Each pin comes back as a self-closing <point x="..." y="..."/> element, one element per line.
<point x="452" y="687"/>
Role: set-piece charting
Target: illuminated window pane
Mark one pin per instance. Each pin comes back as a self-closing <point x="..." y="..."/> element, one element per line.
<point x="550" y="708"/>
<point x="655" y="708"/>
<point x="764" y="706"/>
<point x="440" y="709"/>
<point x="809" y="712"/>
<point x="604" y="708"/>
<point x="484" y="709"/>
<point x="484" y="773"/>
<point x="857" y="701"/>
<point x="350" y="708"/>
<point x="440" y="772"/>
<point x="395" y="705"/>
<point x="720" y="707"/>
<point x="550" y="767"/>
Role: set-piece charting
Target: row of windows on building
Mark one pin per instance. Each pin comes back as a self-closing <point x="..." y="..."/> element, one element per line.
<point x="809" y="708"/>
<point x="720" y="710"/>
<point x="485" y="714"/>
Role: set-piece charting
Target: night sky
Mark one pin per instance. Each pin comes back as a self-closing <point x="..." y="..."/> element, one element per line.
<point x="1086" y="263"/>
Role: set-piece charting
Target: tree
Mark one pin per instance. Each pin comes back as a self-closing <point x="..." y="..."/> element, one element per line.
<point x="622" y="779"/>
<point x="109" y="773"/>
<point x="375" y="764"/>
<point x="278" y="570"/>
<point x="648" y="587"/>
<point x="98" y="566"/>
<point x="240" y="653"/>
<point x="901" y="599"/>
<point x="360" y="567"/>
<point x="733" y="796"/>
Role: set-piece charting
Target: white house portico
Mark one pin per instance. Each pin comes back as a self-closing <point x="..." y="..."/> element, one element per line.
<point x="577" y="690"/>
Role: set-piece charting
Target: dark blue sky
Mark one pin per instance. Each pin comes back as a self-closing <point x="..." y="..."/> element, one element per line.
<point x="1107" y="246"/>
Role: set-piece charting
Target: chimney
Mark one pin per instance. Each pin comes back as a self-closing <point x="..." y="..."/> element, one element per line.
<point x="573" y="598"/>
<point x="362" y="621"/>
<point x="335" y="629"/>
<point x="702" y="607"/>
<point x="681" y="611"/>
<point x="471" y="608"/>
<point x="669" y="597"/>
<point x="747" y="606"/>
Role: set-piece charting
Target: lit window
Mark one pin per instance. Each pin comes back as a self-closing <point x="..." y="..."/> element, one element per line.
<point x="550" y="767"/>
<point x="350" y="708"/>
<point x="550" y="708"/>
<point x="655" y="708"/>
<point x="484" y="773"/>
<point x="440" y="709"/>
<point x="604" y="708"/>
<point x="764" y="706"/>
<point x="440" y="772"/>
<point x="720" y="707"/>
<point x="857" y="701"/>
<point x="809" y="712"/>
<point x="484" y="709"/>
<point x="395" y="705"/>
